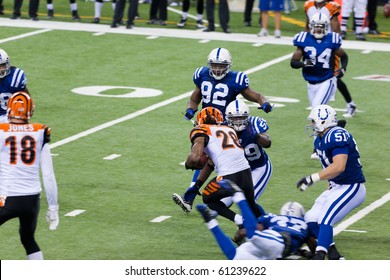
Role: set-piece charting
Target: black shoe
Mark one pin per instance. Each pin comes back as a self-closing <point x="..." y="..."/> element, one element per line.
<point x="182" y="23"/>
<point x="343" y="35"/>
<point x="206" y="212"/>
<point x="374" y="32"/>
<point x="208" y="29"/>
<point x="319" y="255"/>
<point x="333" y="254"/>
<point x="360" y="37"/>
<point x="162" y="23"/>
<point x="227" y="30"/>
<point x="34" y="18"/>
<point x="15" y="17"/>
<point x="152" y="21"/>
<point x="247" y="23"/>
<point x="129" y="26"/>
<point x="96" y="20"/>
<point x="114" y="25"/>
<point x="75" y="15"/>
<point x="50" y="14"/>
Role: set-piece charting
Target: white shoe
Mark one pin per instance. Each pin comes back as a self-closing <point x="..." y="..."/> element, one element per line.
<point x="314" y="156"/>
<point x="263" y="33"/>
<point x="186" y="207"/>
<point x="277" y="33"/>
<point x="351" y="111"/>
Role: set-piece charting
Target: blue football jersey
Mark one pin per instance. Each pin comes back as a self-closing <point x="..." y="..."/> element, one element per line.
<point x="296" y="227"/>
<point x="219" y="93"/>
<point x="254" y="153"/>
<point x="336" y="141"/>
<point x="320" y="52"/>
<point x="15" y="81"/>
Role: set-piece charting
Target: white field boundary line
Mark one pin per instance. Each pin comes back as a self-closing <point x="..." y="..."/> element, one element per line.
<point x="179" y="33"/>
<point x="153" y="107"/>
<point x="359" y="215"/>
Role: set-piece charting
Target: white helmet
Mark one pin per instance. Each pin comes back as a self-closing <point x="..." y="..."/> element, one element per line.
<point x="320" y="1"/>
<point x="219" y="62"/>
<point x="5" y="64"/>
<point x="322" y="117"/>
<point x="319" y="25"/>
<point x="293" y="208"/>
<point x="237" y="114"/>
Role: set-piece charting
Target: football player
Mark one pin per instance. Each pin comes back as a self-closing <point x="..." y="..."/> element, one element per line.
<point x="226" y="157"/>
<point x="24" y="153"/>
<point x="216" y="86"/>
<point x="315" y="55"/>
<point x="340" y="160"/>
<point x="269" y="237"/>
<point x="332" y="10"/>
<point x="12" y="79"/>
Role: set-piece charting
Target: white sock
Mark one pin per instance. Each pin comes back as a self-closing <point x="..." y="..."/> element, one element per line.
<point x="35" y="256"/>
<point x="98" y="9"/>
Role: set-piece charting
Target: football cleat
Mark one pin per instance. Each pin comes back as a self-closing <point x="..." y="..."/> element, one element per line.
<point x="206" y="212"/>
<point x="351" y="111"/>
<point x="319" y="255"/>
<point x="75" y="15"/>
<point x="343" y="35"/>
<point x="199" y="24"/>
<point x="360" y="37"/>
<point x="277" y="33"/>
<point x="50" y="14"/>
<point x="187" y="207"/>
<point x="96" y="20"/>
<point x="182" y="22"/>
<point x="333" y="254"/>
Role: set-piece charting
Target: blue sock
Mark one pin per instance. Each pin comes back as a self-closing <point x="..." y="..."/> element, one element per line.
<point x="224" y="242"/>
<point x="325" y="236"/>
<point x="250" y="221"/>
<point x="314" y="228"/>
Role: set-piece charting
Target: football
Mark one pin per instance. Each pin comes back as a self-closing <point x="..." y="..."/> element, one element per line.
<point x="386" y="10"/>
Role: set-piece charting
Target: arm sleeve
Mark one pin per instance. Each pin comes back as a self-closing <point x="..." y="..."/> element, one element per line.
<point x="49" y="179"/>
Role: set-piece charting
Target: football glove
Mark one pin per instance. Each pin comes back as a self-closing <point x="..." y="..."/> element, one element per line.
<point x="306" y="182"/>
<point x="266" y="107"/>
<point x="340" y="73"/>
<point x="190" y="113"/>
<point x="53" y="219"/>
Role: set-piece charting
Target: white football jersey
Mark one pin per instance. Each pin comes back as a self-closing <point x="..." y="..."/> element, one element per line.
<point x="223" y="147"/>
<point x="20" y="158"/>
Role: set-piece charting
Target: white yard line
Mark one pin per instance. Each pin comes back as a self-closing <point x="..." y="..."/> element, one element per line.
<point x="24" y="35"/>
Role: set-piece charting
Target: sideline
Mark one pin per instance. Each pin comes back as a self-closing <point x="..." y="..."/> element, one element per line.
<point x="179" y="33"/>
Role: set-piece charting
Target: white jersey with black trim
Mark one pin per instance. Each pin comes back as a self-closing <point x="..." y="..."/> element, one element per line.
<point x="223" y="147"/>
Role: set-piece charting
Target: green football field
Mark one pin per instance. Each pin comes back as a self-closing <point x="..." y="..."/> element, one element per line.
<point x="114" y="100"/>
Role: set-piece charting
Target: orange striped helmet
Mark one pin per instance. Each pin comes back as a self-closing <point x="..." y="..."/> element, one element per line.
<point x="209" y="115"/>
<point x="20" y="106"/>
